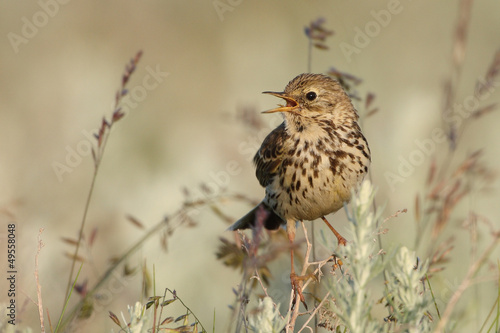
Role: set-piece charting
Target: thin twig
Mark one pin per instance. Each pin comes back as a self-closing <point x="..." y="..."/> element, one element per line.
<point x="313" y="314"/>
<point x="37" y="280"/>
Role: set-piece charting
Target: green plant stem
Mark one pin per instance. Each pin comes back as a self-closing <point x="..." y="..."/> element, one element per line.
<point x="213" y="327"/>
<point x="488" y="317"/>
<point x="67" y="300"/>
<point x="497" y="305"/>
<point x="498" y="299"/>
<point x="433" y="298"/>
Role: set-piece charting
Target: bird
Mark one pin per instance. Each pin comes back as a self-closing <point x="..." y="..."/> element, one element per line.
<point x="310" y="164"/>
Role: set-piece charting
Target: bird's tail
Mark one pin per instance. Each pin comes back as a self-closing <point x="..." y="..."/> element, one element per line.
<point x="271" y="220"/>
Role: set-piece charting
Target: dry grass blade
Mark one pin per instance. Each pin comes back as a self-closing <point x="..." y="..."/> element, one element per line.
<point x="492" y="73"/>
<point x="73" y="257"/>
<point x="164" y="240"/>
<point x="181" y="317"/>
<point x="220" y="214"/>
<point x="117" y="115"/>
<point x="451" y="198"/>
<point x="321" y="46"/>
<point x="114" y="318"/>
<point x="458" y="55"/>
<point x="154" y="300"/>
<point x="343" y="76"/>
<point x="370" y="97"/>
<point x="93" y="236"/>
<point x="70" y="241"/>
<point x="484" y="110"/>
<point x="168" y="301"/>
<point x="468" y="164"/>
<point x="371" y="112"/>
<point x="147" y="281"/>
<point x="435" y="193"/>
<point x="440" y="256"/>
<point x="346" y="80"/>
<point x="135" y="221"/>
<point x="167" y="320"/>
<point x="461" y="32"/>
<point x="432" y="172"/>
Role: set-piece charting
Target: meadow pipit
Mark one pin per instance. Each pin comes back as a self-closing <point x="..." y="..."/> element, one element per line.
<point x="311" y="162"/>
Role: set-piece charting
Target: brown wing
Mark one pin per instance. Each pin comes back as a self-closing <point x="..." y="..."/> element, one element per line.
<point x="270" y="155"/>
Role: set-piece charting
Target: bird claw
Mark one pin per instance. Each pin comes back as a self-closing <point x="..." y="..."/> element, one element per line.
<point x="341" y="240"/>
<point x="296" y="282"/>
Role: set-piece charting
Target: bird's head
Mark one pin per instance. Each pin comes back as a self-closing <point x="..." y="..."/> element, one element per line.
<point x="314" y="96"/>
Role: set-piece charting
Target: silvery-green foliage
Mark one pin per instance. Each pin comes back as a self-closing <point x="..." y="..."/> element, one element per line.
<point x="267" y="318"/>
<point x="352" y="291"/>
<point x="352" y="297"/>
<point x="406" y="291"/>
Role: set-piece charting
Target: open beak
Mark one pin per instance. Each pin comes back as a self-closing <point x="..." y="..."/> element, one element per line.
<point x="291" y="104"/>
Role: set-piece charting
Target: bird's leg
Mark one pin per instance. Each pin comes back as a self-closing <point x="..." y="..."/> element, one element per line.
<point x="340" y="239"/>
<point x="295" y="280"/>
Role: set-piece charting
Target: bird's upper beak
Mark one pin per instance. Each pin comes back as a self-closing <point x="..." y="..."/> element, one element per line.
<point x="291" y="104"/>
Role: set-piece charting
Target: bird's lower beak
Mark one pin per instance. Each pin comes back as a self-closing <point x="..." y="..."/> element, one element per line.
<point x="291" y="104"/>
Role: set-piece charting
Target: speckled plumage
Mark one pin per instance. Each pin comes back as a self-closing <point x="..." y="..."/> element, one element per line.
<point x="311" y="162"/>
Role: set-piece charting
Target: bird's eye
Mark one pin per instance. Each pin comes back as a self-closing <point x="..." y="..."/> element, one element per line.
<point x="311" y="96"/>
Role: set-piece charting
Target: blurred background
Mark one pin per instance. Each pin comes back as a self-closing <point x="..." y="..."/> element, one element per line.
<point x="205" y="63"/>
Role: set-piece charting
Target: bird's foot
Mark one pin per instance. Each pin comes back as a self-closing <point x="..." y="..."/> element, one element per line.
<point x="341" y="240"/>
<point x="296" y="281"/>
